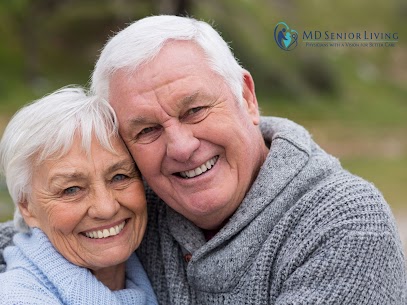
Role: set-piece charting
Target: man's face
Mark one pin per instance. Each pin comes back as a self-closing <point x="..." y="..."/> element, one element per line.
<point x="197" y="148"/>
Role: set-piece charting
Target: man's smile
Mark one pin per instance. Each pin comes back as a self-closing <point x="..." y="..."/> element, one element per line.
<point x="200" y="169"/>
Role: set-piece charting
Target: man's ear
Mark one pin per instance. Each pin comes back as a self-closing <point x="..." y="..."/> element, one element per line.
<point x="27" y="212"/>
<point x="249" y="97"/>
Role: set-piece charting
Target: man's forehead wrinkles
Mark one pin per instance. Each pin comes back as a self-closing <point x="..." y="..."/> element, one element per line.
<point x="159" y="81"/>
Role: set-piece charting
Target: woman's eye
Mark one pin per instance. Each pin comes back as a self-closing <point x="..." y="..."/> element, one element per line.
<point x="71" y="190"/>
<point x="119" y="177"/>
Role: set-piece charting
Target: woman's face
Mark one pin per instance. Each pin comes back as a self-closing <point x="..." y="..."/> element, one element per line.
<point x="92" y="208"/>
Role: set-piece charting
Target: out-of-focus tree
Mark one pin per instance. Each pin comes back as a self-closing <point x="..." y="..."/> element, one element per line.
<point x="173" y="7"/>
<point x="29" y="20"/>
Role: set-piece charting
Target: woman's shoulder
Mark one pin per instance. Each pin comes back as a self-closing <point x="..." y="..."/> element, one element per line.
<point x="17" y="286"/>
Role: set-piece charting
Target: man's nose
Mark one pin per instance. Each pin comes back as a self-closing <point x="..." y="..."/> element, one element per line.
<point x="181" y="142"/>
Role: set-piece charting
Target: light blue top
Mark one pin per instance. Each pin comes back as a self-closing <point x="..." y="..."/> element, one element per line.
<point x="37" y="274"/>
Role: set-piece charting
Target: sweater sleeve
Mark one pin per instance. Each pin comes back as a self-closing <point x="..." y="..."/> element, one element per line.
<point x="352" y="268"/>
<point x="7" y="232"/>
<point x="344" y="248"/>
<point x="355" y="268"/>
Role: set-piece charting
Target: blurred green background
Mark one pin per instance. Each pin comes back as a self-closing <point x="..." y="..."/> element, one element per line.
<point x="353" y="100"/>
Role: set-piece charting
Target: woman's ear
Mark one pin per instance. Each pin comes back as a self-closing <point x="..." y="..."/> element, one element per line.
<point x="28" y="214"/>
<point x="249" y="97"/>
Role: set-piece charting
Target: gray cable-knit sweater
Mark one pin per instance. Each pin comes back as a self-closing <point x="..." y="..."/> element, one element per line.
<point x="307" y="232"/>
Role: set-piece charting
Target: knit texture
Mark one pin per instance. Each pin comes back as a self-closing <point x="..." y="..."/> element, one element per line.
<point x="307" y="232"/>
<point x="37" y="274"/>
<point x="6" y="233"/>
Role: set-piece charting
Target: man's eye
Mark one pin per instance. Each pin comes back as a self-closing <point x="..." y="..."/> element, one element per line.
<point x="148" y="134"/>
<point x="195" y="115"/>
<point x="147" y="130"/>
<point x="194" y="110"/>
<point x="71" y="190"/>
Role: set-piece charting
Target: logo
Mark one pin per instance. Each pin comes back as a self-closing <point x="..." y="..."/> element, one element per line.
<point x="286" y="38"/>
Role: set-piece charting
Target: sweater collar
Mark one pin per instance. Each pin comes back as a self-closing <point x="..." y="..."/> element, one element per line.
<point x="74" y="284"/>
<point x="288" y="154"/>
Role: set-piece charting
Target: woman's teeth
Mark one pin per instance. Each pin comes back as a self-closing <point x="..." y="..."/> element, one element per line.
<point x="200" y="169"/>
<point x="106" y="232"/>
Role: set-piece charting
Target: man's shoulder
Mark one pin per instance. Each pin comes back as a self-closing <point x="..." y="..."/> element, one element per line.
<point x="346" y="198"/>
<point x="7" y="232"/>
<point x="350" y="187"/>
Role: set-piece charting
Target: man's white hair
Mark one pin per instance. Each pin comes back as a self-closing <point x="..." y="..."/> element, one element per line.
<point x="46" y="129"/>
<point x="143" y="39"/>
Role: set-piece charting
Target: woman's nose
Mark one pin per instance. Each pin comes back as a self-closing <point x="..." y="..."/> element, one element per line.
<point x="104" y="205"/>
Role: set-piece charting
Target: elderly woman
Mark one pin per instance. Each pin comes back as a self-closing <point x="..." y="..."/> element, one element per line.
<point x="80" y="206"/>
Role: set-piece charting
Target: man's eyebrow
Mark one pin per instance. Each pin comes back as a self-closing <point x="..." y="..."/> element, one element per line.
<point x="184" y="102"/>
<point x="189" y="99"/>
<point x="138" y="120"/>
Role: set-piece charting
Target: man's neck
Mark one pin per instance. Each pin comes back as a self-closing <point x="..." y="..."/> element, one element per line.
<point x="209" y="234"/>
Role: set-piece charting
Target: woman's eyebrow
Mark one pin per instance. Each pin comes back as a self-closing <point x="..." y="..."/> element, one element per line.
<point x="68" y="176"/>
<point x="123" y="164"/>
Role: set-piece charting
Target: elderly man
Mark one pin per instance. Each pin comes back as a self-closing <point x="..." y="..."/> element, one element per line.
<point x="242" y="209"/>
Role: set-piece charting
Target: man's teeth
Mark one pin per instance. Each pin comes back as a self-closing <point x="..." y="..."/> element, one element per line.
<point x="106" y="232"/>
<point x="200" y="169"/>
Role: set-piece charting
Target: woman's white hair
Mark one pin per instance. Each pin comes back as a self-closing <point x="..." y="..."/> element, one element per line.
<point x="143" y="39"/>
<point x="45" y="129"/>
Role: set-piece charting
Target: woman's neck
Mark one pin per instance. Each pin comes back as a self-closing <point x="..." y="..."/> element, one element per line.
<point x="113" y="277"/>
